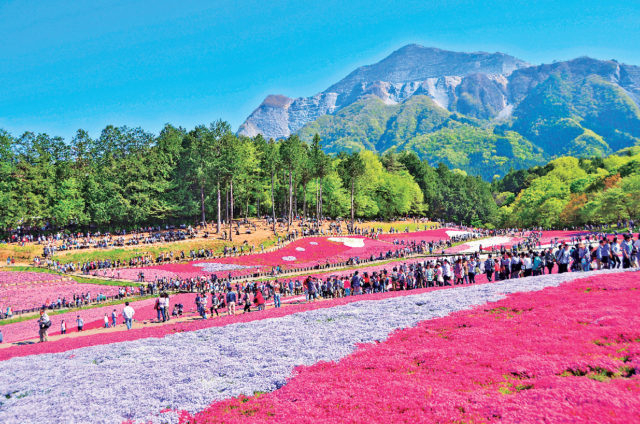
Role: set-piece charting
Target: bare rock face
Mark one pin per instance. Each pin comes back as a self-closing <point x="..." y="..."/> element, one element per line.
<point x="408" y="71"/>
<point x="271" y="117"/>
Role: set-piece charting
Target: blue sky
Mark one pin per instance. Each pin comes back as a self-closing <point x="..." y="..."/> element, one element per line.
<point x="70" y="64"/>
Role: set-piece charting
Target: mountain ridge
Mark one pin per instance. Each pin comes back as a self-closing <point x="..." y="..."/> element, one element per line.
<point x="582" y="107"/>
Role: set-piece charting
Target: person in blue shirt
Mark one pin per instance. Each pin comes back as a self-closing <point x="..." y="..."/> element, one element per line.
<point x="231" y="302"/>
<point x="563" y="257"/>
<point x="356" y="284"/>
<point x="606" y="254"/>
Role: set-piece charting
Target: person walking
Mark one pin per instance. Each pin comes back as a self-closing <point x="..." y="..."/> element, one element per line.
<point x="106" y="321"/>
<point x="231" y="302"/>
<point x="114" y="315"/>
<point x="276" y="295"/>
<point x="488" y="268"/>
<point x="215" y="304"/>
<point x="43" y="324"/>
<point x="63" y="327"/>
<point x="563" y="257"/>
<point x="127" y="314"/>
<point x="80" y="323"/>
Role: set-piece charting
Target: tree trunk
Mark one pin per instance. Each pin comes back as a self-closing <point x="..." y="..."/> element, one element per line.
<point x="321" y="202"/>
<point x="231" y="209"/>
<point x="202" y="203"/>
<point x="304" y="201"/>
<point x="352" y="215"/>
<point x="290" y="217"/>
<point x="226" y="206"/>
<point x="273" y="207"/>
<point x="219" y="212"/>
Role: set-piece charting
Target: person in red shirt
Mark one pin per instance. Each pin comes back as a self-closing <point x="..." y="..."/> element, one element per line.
<point x="259" y="300"/>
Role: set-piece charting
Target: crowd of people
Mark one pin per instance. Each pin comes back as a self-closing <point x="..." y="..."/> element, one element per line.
<point x="216" y="296"/>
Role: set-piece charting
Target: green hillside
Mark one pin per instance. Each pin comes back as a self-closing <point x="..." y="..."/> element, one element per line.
<point x="566" y="113"/>
<point x="433" y="133"/>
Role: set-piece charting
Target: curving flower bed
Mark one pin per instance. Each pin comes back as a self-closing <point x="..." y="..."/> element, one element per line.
<point x="303" y="253"/>
<point x="26" y="290"/>
<point x="569" y="354"/>
<point x="217" y="363"/>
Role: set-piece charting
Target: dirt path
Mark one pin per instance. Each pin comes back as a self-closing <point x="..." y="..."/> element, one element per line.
<point x="136" y="324"/>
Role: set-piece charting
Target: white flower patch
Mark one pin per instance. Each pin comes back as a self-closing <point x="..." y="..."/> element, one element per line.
<point x="455" y="233"/>
<point x="348" y="241"/>
<point x="217" y="267"/>
<point x="135" y="380"/>
<point x="313" y="243"/>
<point x="473" y="246"/>
<point x="300" y="249"/>
<point x="289" y="258"/>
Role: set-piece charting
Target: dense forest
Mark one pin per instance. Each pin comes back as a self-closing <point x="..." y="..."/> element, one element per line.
<point x="127" y="178"/>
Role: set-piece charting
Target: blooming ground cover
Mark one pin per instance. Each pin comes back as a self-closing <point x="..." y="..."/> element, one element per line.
<point x="25" y="290"/>
<point x="567" y="354"/>
<point x="224" y="361"/>
<point x="94" y="317"/>
<point x="305" y="252"/>
<point x="418" y="236"/>
<point x="508" y="241"/>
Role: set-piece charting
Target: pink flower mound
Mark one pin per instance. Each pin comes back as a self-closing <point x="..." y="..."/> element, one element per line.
<point x="93" y="318"/>
<point x="568" y="354"/>
<point x="8" y="278"/>
<point x="26" y="290"/>
<point x="321" y="253"/>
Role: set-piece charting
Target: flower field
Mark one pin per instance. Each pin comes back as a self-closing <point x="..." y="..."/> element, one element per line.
<point x="302" y="253"/>
<point x="313" y="251"/>
<point x="567" y="354"/>
<point x="202" y="362"/>
<point x="25" y="290"/>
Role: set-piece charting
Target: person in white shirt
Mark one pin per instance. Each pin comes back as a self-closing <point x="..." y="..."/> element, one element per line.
<point x="127" y="314"/>
<point x="527" y="265"/>
<point x="43" y="324"/>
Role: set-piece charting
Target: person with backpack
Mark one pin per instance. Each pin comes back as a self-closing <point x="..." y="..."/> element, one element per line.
<point x="43" y="325"/>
